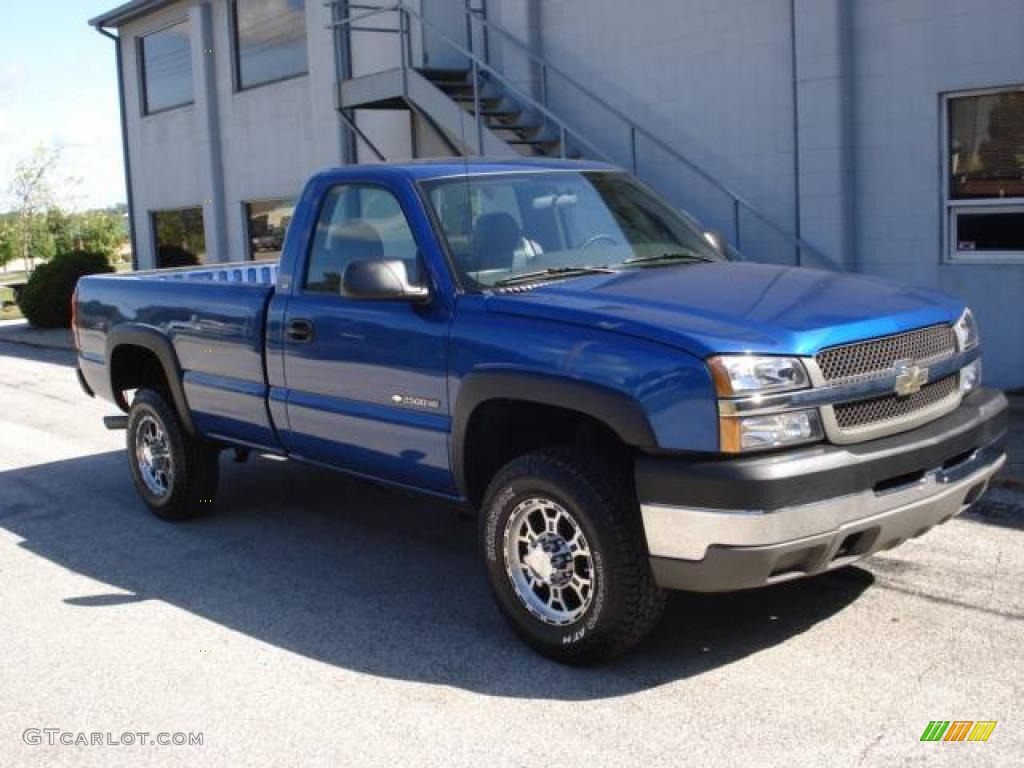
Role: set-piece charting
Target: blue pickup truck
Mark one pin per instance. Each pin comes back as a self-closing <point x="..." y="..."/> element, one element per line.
<point x="628" y="408"/>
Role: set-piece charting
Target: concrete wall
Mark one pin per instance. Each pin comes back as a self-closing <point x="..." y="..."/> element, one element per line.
<point x="271" y="137"/>
<point x="165" y="154"/>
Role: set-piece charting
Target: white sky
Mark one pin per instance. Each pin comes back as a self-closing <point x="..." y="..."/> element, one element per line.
<point x="58" y="86"/>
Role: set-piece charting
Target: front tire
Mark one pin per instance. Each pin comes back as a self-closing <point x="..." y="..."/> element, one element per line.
<point x="176" y="474"/>
<point x="565" y="556"/>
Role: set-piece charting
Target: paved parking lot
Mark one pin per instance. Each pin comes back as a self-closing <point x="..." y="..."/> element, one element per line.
<point x="319" y="620"/>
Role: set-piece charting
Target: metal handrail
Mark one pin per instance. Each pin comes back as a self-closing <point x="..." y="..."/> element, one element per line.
<point x="635" y="130"/>
<point x="479" y="65"/>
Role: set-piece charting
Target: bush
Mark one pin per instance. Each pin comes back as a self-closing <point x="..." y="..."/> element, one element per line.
<point x="46" y="300"/>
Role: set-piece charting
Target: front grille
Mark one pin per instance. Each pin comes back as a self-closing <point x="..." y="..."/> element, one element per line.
<point x="891" y="407"/>
<point x="865" y="359"/>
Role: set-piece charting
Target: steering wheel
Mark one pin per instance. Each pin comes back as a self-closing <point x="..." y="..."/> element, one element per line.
<point x="593" y="239"/>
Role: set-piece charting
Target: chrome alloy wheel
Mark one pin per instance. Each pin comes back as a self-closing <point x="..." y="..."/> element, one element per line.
<point x="153" y="455"/>
<point x="548" y="561"/>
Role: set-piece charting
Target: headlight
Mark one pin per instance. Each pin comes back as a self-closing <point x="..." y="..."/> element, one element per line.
<point x="966" y="329"/>
<point x="970" y="376"/>
<point x="750" y="374"/>
<point x="751" y="433"/>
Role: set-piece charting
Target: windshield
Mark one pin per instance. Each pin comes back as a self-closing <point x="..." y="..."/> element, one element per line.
<point x="506" y="228"/>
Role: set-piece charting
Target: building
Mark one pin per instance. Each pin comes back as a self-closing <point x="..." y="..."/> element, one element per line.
<point x="879" y="136"/>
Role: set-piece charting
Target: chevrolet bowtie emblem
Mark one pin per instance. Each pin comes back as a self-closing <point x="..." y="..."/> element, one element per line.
<point x="909" y="378"/>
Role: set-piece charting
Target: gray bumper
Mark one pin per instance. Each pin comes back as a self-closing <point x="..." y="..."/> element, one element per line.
<point x="709" y="549"/>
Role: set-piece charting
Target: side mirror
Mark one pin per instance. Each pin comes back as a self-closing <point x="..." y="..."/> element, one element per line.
<point x="717" y="241"/>
<point x="378" y="280"/>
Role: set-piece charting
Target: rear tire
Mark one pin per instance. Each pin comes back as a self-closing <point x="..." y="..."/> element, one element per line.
<point x="176" y="474"/>
<point x="566" y="558"/>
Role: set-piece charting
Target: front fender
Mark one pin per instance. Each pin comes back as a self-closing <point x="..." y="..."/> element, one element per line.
<point x="654" y="397"/>
<point x="622" y="414"/>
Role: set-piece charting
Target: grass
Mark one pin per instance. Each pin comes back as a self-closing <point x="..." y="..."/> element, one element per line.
<point x="8" y="309"/>
<point x="13" y="277"/>
<point x="10" y="312"/>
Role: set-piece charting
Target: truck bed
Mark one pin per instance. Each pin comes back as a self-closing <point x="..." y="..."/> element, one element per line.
<point x="214" y="318"/>
<point x="264" y="272"/>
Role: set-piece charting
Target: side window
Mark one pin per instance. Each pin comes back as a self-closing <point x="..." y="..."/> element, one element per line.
<point x="359" y="222"/>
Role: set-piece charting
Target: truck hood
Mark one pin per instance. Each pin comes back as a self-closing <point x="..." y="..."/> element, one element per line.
<point x="733" y="307"/>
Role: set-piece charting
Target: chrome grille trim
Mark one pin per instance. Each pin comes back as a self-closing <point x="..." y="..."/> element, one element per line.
<point x="872" y="362"/>
<point x="867" y="359"/>
<point x="880" y="409"/>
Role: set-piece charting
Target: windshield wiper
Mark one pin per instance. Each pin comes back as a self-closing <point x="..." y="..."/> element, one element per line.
<point x="540" y="274"/>
<point x="687" y="256"/>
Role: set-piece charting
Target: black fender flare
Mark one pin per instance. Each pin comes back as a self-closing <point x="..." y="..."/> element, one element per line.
<point x="621" y="413"/>
<point x="152" y="340"/>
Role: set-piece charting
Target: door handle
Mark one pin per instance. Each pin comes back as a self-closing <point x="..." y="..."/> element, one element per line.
<point x="300" y="330"/>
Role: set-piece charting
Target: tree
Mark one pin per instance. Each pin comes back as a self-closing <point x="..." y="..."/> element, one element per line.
<point x="32" y="190"/>
<point x="7" y="244"/>
<point x="93" y="231"/>
<point x="100" y="232"/>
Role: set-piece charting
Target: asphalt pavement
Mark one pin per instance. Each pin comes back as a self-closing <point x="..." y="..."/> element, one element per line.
<point x="318" y="620"/>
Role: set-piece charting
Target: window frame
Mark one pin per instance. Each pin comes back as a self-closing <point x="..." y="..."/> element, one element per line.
<point x="236" y="54"/>
<point x="140" y="57"/>
<point x="246" y="229"/>
<point x="153" y="212"/>
<point x="424" y="269"/>
<point x="952" y="208"/>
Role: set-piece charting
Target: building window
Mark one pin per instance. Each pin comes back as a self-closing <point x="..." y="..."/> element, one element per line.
<point x="266" y="224"/>
<point x="985" y="167"/>
<point x="270" y="40"/>
<point x="166" y="68"/>
<point x="179" y="237"/>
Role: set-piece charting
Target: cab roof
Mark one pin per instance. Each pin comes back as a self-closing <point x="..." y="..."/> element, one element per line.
<point x="422" y="170"/>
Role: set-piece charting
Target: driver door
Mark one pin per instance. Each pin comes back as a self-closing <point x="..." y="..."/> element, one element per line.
<point x="366" y="380"/>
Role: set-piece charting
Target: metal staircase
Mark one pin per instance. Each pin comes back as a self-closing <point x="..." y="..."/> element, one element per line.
<point x="481" y="109"/>
<point x="502" y="115"/>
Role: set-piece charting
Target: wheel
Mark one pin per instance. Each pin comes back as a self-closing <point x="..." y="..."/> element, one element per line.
<point x="565" y="556"/>
<point x="175" y="474"/>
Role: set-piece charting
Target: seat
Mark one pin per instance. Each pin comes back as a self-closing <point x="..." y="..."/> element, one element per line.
<point x="496" y="236"/>
<point x="353" y="241"/>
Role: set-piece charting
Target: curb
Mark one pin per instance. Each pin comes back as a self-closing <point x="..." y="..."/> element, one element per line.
<point x="38" y="339"/>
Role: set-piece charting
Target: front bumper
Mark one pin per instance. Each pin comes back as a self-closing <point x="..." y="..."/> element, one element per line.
<point x="726" y="524"/>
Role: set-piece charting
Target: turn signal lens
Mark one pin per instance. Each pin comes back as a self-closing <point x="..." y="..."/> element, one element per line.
<point x="970" y="377"/>
<point x="751" y="433"/>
